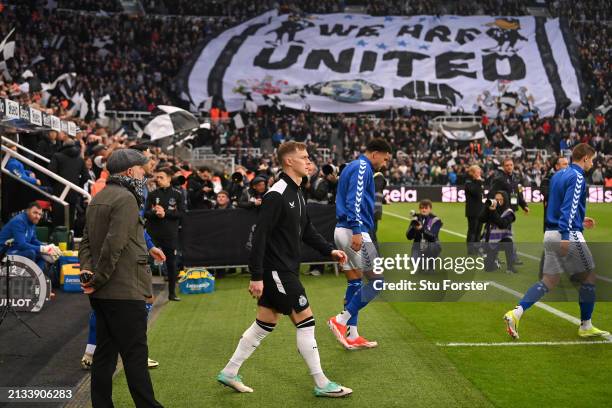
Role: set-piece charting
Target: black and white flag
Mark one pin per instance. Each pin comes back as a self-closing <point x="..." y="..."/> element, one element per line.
<point x="168" y="121"/>
<point x="358" y="63"/>
<point x="56" y="42"/>
<point x="7" y="50"/>
<point x="66" y="79"/>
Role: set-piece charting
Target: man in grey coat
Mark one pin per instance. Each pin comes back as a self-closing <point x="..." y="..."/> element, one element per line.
<point x="113" y="255"/>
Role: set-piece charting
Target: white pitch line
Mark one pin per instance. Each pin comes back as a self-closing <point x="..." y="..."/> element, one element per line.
<point x="525" y="343"/>
<point x="541" y="305"/>
<point x="535" y="258"/>
<point x="603" y="278"/>
<point x="458" y="234"/>
<point x="517" y="294"/>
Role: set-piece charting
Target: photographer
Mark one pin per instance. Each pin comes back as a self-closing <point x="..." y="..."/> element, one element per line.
<point x="473" y="207"/>
<point x="498" y="216"/>
<point x="200" y="189"/>
<point x="163" y="212"/>
<point x="253" y="196"/>
<point x="423" y="230"/>
<point x="235" y="188"/>
<point x="323" y="188"/>
<point x="379" y="185"/>
<point x="509" y="183"/>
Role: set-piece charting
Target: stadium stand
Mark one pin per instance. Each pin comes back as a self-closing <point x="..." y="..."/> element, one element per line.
<point x="135" y="60"/>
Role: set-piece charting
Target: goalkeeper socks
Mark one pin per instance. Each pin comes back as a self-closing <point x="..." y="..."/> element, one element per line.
<point x="586" y="299"/>
<point x="361" y="298"/>
<point x="533" y="294"/>
<point x="352" y="287"/>
<point x="249" y="341"/>
<point x="307" y="346"/>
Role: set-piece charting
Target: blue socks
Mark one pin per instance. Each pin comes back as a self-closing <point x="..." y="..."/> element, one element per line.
<point x="532" y="295"/>
<point x="149" y="307"/>
<point x="353" y="286"/>
<point x="586" y="300"/>
<point x="361" y="298"/>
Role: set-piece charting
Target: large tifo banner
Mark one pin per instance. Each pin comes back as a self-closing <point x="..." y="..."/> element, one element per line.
<point x="356" y="63"/>
<point x="222" y="237"/>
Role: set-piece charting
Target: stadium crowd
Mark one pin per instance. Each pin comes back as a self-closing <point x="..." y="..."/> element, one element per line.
<point x="135" y="60"/>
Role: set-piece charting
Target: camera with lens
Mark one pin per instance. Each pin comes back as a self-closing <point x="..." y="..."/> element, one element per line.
<point x="328" y="169"/>
<point x="237" y="177"/>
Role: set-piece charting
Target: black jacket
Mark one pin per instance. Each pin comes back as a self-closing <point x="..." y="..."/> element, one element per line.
<point x="322" y="191"/>
<point x="47" y="148"/>
<point x="69" y="164"/>
<point x="235" y="191"/>
<point x="431" y="228"/>
<point x="508" y="184"/>
<point x="164" y="229"/>
<point x="473" y="197"/>
<point x="246" y="198"/>
<point x="198" y="199"/>
<point x="544" y="189"/>
<point x="493" y="218"/>
<point x="282" y="224"/>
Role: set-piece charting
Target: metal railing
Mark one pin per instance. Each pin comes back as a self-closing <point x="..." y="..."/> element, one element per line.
<point x="529" y="153"/>
<point x="61" y="199"/>
<point x="25" y="149"/>
<point x="243" y="151"/>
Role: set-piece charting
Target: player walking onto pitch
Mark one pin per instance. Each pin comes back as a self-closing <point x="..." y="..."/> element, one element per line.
<point x="355" y="220"/>
<point x="564" y="246"/>
<point x="282" y="224"/>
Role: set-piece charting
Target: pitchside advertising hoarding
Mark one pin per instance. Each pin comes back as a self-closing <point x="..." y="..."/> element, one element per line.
<point x="456" y="194"/>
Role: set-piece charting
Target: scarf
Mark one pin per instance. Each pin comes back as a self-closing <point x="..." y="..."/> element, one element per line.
<point x="136" y="187"/>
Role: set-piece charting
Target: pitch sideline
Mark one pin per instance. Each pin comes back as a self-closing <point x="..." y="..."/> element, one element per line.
<point x="519" y="295"/>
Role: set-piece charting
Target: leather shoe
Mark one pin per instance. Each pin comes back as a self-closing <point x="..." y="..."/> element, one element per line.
<point x="174" y="298"/>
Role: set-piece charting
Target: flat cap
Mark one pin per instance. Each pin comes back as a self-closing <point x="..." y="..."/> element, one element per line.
<point x="122" y="159"/>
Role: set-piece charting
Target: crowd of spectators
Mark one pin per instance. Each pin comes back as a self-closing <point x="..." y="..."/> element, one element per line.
<point x="143" y="55"/>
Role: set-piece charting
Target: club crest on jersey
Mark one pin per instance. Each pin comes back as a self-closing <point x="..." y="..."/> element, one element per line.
<point x="292" y="204"/>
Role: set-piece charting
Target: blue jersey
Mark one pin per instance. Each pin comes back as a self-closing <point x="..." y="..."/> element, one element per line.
<point x="566" y="201"/>
<point x="23" y="231"/>
<point x="16" y="167"/>
<point x="356" y="196"/>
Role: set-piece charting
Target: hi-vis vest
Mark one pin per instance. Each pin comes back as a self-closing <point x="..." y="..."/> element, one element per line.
<point x="496" y="234"/>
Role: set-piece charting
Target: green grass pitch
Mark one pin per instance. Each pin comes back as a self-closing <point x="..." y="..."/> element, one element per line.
<point x="411" y="367"/>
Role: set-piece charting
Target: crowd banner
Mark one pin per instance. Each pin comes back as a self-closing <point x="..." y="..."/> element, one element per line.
<point x="27" y="118"/>
<point x="356" y="63"/>
<point x="222" y="237"/>
<point x="456" y="194"/>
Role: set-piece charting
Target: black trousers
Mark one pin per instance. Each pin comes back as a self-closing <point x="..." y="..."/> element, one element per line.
<point x="170" y="252"/>
<point x="121" y="329"/>
<point x="473" y="234"/>
<point x="493" y="249"/>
